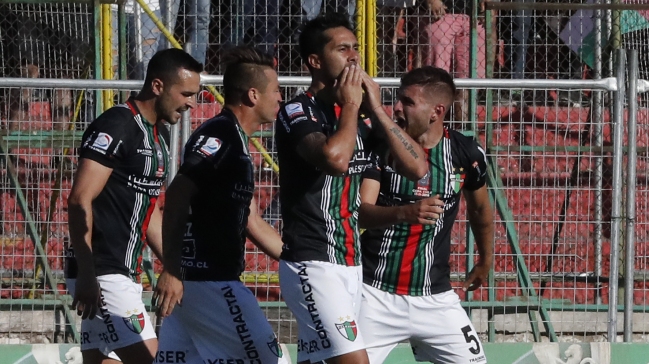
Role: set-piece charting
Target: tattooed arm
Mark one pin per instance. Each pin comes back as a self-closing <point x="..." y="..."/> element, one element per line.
<point x="409" y="157"/>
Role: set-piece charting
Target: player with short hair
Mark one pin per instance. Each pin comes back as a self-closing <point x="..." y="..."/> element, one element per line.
<point x="324" y="138"/>
<point x="112" y="209"/>
<point x="209" y="210"/>
<point x="407" y="292"/>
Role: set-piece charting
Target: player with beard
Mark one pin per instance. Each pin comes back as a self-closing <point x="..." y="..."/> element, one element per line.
<point x="324" y="140"/>
<point x="112" y="209"/>
<point x="407" y="292"/>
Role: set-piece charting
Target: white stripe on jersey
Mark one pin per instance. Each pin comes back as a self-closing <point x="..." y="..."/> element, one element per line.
<point x="385" y="247"/>
<point x="147" y="144"/>
<point x="133" y="238"/>
<point x="325" y="202"/>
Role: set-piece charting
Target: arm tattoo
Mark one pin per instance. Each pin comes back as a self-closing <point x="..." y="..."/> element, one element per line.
<point x="397" y="132"/>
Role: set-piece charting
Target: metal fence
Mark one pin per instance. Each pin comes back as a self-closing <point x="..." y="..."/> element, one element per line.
<point x="555" y="177"/>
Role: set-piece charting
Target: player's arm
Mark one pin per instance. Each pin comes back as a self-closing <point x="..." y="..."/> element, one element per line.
<point x="480" y="215"/>
<point x="154" y="232"/>
<point x="371" y="216"/>
<point x="262" y="234"/>
<point x="89" y="181"/>
<point x="409" y="156"/>
<point x="169" y="290"/>
<point x="333" y="154"/>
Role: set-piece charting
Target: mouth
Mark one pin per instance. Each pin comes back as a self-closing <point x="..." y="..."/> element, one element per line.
<point x="401" y="121"/>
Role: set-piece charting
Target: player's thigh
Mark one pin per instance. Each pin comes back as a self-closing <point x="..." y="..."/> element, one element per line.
<point x="385" y="321"/>
<point x="122" y="319"/>
<point x="325" y="299"/>
<point x="94" y="356"/>
<point x="226" y="323"/>
<point x="442" y="331"/>
<point x="175" y="344"/>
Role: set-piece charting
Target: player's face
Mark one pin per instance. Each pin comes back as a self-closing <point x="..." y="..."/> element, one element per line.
<point x="413" y="111"/>
<point x="270" y="98"/>
<point x="178" y="96"/>
<point x="340" y="52"/>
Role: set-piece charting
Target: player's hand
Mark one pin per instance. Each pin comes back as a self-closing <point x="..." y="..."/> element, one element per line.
<point x="348" y="88"/>
<point x="372" y="92"/>
<point x="426" y="211"/>
<point x="87" y="297"/>
<point x="477" y="277"/>
<point x="168" y="293"/>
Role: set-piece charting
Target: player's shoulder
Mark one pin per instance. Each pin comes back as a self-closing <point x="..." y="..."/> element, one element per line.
<point x="296" y="107"/>
<point x="461" y="139"/>
<point x="117" y="116"/>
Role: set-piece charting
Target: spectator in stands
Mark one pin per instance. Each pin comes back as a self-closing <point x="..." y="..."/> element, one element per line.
<point x="112" y="210"/>
<point x="140" y="50"/>
<point x="198" y="25"/>
<point x="312" y="8"/>
<point x="407" y="293"/>
<point x="209" y="211"/>
<point x="447" y="43"/>
<point x="254" y="23"/>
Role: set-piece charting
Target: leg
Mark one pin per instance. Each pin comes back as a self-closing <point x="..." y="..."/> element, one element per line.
<point x="176" y="345"/>
<point x="311" y="8"/>
<point x="169" y="12"/>
<point x="439" y="40"/>
<point x="150" y="39"/>
<point x="522" y="22"/>
<point x="199" y="28"/>
<point x="442" y="332"/>
<point x="325" y="299"/>
<point x="138" y="353"/>
<point x="385" y="320"/>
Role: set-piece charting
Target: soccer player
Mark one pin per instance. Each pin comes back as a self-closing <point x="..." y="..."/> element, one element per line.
<point x="407" y="290"/>
<point x="323" y="145"/>
<point x="209" y="211"/>
<point x="112" y="209"/>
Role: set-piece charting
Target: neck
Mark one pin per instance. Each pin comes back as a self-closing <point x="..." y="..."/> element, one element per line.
<point x="322" y="90"/>
<point x="432" y="136"/>
<point x="146" y="104"/>
<point x="248" y="120"/>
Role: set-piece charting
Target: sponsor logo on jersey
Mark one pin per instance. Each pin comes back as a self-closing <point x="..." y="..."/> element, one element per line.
<point x="211" y="146"/>
<point x="274" y="346"/>
<point x="102" y="142"/>
<point x="135" y="323"/>
<point x="348" y="330"/>
<point x="294" y="110"/>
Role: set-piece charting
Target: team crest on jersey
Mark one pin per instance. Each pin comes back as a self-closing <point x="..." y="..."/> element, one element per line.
<point x="274" y="346"/>
<point x="294" y="110"/>
<point x="348" y="330"/>
<point x="457" y="179"/>
<point x="211" y="146"/>
<point x="135" y="323"/>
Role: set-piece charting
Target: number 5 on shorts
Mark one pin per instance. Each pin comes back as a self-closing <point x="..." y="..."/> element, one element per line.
<point x="466" y="330"/>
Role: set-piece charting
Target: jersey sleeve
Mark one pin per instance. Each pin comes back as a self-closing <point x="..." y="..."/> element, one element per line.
<point x="373" y="171"/>
<point x="105" y="139"/>
<point x="203" y="152"/>
<point x="298" y="121"/>
<point x="477" y="169"/>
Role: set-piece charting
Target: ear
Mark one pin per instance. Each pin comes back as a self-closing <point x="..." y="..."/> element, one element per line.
<point x="314" y="61"/>
<point x="253" y="96"/>
<point x="439" y="111"/>
<point x="157" y="87"/>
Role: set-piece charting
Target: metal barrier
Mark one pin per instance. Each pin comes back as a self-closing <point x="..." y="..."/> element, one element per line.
<point x="555" y="179"/>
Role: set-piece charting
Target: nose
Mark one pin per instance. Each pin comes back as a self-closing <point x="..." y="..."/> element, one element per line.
<point x="398" y="107"/>
<point x="191" y="101"/>
<point x="354" y="57"/>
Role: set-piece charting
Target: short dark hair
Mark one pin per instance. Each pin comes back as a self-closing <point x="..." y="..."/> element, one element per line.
<point x="165" y="64"/>
<point x="312" y="38"/>
<point x="244" y="69"/>
<point x="436" y="81"/>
